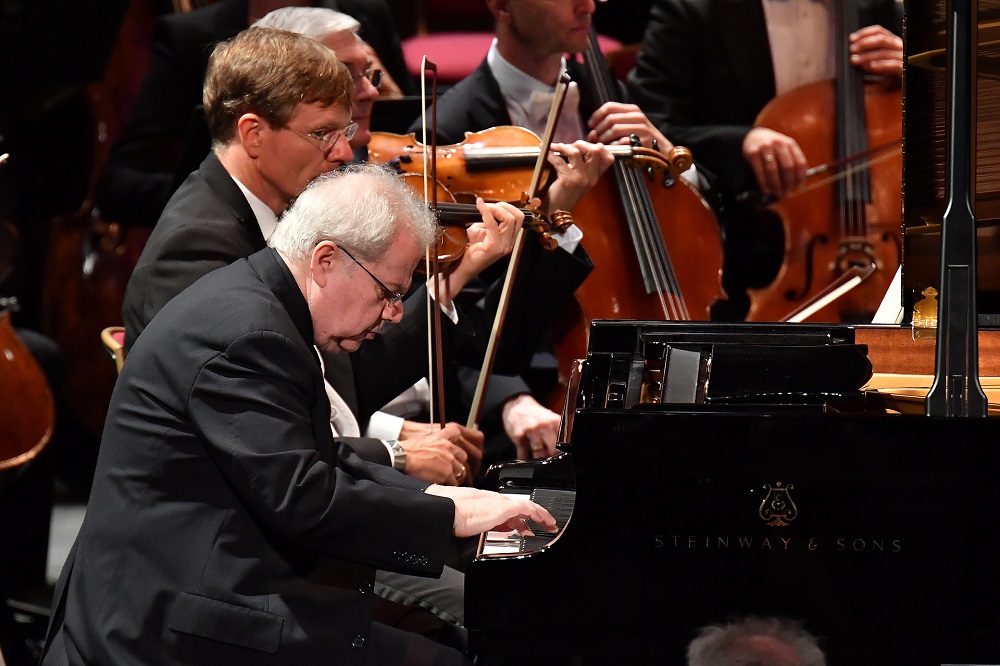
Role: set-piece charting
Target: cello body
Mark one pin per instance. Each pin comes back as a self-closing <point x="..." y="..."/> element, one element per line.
<point x="827" y="238"/>
<point x="615" y="288"/>
<point x="27" y="412"/>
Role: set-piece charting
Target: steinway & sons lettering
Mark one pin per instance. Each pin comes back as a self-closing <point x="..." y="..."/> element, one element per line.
<point x="758" y="543"/>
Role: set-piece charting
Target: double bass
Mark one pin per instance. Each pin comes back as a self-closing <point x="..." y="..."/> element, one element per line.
<point x="842" y="227"/>
<point x="654" y="240"/>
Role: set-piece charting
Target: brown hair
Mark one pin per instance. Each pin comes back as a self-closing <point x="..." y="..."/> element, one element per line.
<point x="269" y="72"/>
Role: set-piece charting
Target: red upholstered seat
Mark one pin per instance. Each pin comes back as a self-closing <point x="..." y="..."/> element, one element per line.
<point x="113" y="338"/>
<point x="457" y="54"/>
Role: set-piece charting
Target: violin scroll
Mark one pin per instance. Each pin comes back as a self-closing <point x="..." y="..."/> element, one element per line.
<point x="545" y="225"/>
<point x="679" y="160"/>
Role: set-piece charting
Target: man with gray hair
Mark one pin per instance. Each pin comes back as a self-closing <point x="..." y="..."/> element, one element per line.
<point x="754" y="641"/>
<point x="227" y="525"/>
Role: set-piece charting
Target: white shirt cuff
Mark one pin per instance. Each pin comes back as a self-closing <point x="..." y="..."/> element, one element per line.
<point x="384" y="426"/>
<point x="450" y="311"/>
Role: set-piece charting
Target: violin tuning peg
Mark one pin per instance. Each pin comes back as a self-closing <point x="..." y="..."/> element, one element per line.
<point x="547" y="241"/>
<point x="534" y="204"/>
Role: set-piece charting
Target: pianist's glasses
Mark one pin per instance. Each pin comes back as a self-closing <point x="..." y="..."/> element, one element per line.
<point x="388" y="294"/>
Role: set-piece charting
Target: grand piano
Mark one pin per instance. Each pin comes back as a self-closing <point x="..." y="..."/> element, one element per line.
<point x="714" y="471"/>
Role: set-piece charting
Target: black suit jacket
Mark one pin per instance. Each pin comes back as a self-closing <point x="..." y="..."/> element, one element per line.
<point x="705" y="72"/>
<point x="226" y="525"/>
<point x="209" y="224"/>
<point x="142" y="169"/>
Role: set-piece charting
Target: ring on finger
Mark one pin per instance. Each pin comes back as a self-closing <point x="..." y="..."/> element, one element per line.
<point x="769" y="157"/>
<point x="461" y="472"/>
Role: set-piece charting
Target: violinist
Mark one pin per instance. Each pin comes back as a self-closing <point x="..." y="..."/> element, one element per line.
<point x="706" y="69"/>
<point x="514" y="86"/>
<point x="164" y="139"/>
<point x="227" y="208"/>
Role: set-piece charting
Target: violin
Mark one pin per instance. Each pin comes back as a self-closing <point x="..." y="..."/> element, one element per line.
<point x="496" y="163"/>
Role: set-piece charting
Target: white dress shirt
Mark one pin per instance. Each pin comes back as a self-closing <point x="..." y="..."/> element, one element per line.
<point x="802" y="35"/>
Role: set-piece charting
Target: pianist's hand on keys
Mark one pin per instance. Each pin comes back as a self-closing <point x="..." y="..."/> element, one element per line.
<point x="478" y="511"/>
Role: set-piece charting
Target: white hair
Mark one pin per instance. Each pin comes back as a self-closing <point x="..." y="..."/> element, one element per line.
<point x="726" y="645"/>
<point x="362" y="207"/>
<point x="312" y="22"/>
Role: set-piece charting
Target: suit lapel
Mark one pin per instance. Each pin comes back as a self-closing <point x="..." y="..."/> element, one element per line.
<point x="488" y="108"/>
<point x="226" y="189"/>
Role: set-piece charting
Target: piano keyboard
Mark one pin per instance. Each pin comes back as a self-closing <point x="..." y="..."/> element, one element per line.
<point x="558" y="502"/>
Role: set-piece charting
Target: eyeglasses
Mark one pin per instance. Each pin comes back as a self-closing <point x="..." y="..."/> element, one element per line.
<point x="388" y="294"/>
<point x="374" y="77"/>
<point x="328" y="138"/>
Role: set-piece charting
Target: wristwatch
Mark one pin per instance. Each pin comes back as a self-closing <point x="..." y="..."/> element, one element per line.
<point x="398" y="454"/>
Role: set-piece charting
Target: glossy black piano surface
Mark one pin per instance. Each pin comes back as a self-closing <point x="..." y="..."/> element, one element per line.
<point x="884" y="542"/>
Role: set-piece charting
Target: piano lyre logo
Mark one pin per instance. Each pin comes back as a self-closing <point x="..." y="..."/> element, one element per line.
<point x="778" y="508"/>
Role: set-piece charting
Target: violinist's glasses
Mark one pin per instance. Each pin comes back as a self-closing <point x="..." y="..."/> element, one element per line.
<point x="374" y="77"/>
<point x="327" y="139"/>
<point x="388" y="294"/>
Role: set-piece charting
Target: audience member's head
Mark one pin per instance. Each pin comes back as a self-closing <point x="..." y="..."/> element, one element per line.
<point x="755" y="641"/>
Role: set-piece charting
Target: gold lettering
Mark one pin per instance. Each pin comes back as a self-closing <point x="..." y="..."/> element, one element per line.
<point x="858" y="548"/>
<point x="723" y="542"/>
<point x="786" y="541"/>
<point x="746" y="542"/>
<point x="766" y="544"/>
<point x="676" y="539"/>
<point x="840" y="545"/>
<point x="896" y="546"/>
<point x="692" y="541"/>
<point x="658" y="541"/>
<point x="812" y="543"/>
<point x="878" y="544"/>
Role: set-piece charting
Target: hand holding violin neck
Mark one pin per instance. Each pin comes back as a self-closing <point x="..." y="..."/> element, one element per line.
<point x="455" y="214"/>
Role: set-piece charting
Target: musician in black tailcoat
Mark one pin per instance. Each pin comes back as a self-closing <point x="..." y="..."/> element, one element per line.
<point x="513" y="86"/>
<point x="163" y="140"/>
<point x="708" y="67"/>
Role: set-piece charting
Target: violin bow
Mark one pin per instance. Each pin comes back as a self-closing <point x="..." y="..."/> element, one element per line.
<point x="515" y="256"/>
<point x="435" y="352"/>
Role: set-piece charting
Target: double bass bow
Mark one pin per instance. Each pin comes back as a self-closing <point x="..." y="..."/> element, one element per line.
<point x="843" y="226"/>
